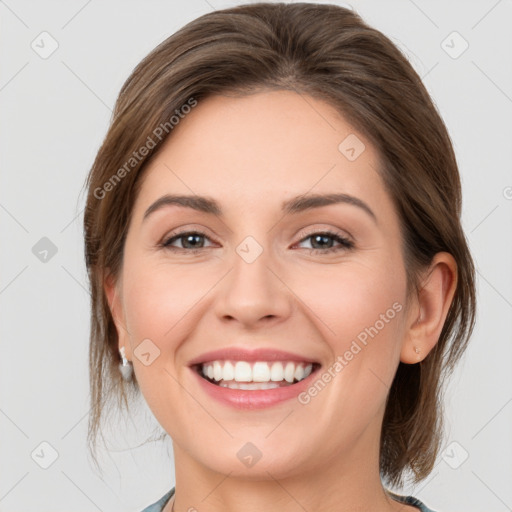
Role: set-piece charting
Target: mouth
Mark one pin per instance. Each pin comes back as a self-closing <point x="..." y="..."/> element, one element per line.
<point x="255" y="375"/>
<point x="253" y="379"/>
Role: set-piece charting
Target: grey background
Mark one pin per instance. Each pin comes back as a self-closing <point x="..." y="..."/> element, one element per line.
<point x="55" y="114"/>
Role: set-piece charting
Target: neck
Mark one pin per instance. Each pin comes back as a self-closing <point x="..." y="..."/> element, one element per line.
<point x="342" y="483"/>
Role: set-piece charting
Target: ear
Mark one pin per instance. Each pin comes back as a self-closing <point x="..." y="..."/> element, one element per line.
<point x="430" y="309"/>
<point x="113" y="294"/>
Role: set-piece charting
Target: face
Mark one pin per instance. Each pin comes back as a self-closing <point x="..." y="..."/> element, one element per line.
<point x="315" y="294"/>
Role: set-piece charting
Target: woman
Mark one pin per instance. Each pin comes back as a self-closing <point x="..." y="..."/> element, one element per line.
<point x="277" y="261"/>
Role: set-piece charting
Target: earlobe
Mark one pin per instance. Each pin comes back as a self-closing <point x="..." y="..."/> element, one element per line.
<point x="434" y="299"/>
<point x="110" y="287"/>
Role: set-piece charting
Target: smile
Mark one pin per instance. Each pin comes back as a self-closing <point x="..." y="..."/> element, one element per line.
<point x="256" y="375"/>
<point x="252" y="379"/>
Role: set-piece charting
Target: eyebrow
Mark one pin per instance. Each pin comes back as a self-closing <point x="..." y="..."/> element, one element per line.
<point x="292" y="206"/>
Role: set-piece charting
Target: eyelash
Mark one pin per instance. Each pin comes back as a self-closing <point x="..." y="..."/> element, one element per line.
<point x="346" y="244"/>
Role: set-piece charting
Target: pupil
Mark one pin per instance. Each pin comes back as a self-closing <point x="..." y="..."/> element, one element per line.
<point x="191" y="237"/>
<point x="321" y="237"/>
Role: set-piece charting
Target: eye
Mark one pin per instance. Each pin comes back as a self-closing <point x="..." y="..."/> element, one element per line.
<point x="191" y="241"/>
<point x="321" y="240"/>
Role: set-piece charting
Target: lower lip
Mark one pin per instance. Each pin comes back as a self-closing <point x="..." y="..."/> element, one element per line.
<point x="254" y="399"/>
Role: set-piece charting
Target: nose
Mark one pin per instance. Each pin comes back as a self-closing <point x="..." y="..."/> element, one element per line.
<point x="254" y="293"/>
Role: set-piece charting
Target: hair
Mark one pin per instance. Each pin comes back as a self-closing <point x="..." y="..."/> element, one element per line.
<point x="329" y="53"/>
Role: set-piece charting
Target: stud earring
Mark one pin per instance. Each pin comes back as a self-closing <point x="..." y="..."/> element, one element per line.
<point x="417" y="350"/>
<point x="126" y="367"/>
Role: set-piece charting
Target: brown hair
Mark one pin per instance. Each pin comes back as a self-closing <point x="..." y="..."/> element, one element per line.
<point x="327" y="52"/>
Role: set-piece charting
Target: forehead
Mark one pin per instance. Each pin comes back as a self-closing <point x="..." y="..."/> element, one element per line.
<point x="260" y="149"/>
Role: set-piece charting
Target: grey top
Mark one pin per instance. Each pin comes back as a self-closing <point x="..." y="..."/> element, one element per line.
<point x="408" y="500"/>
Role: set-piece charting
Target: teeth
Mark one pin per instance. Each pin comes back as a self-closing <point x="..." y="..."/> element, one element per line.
<point x="267" y="375"/>
<point x="252" y="385"/>
<point x="299" y="373"/>
<point x="228" y="372"/>
<point x="289" y="371"/>
<point x="260" y="372"/>
<point x="243" y="371"/>
<point x="217" y="370"/>
<point x="277" y="372"/>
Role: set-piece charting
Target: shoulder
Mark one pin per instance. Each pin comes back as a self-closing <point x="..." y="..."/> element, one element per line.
<point x="410" y="500"/>
<point x="415" y="502"/>
<point x="159" y="505"/>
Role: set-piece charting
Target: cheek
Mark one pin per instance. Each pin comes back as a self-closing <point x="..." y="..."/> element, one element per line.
<point x="361" y="308"/>
<point x="159" y="306"/>
<point x="360" y="312"/>
<point x="350" y="298"/>
<point x="160" y="300"/>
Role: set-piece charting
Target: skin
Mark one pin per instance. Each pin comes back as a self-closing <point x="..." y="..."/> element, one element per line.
<point x="250" y="154"/>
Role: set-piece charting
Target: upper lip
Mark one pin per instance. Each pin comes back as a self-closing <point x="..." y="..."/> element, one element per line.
<point x="244" y="354"/>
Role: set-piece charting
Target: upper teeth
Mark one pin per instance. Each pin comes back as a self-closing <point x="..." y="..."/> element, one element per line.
<point x="259" y="371"/>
